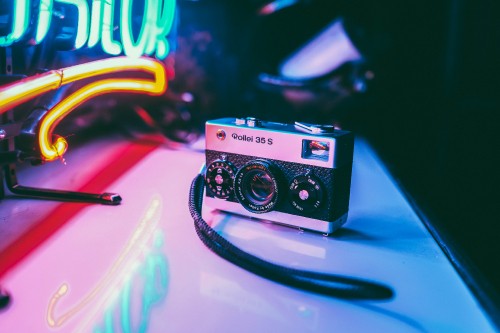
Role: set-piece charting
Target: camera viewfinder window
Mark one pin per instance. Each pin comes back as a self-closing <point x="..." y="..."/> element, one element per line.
<point x="315" y="150"/>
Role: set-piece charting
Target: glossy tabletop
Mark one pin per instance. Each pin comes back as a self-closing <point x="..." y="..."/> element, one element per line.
<point x="140" y="267"/>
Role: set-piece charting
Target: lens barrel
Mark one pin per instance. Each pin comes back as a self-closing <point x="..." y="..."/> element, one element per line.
<point x="257" y="186"/>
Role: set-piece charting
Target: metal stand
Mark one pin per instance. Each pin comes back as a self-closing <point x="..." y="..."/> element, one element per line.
<point x="16" y="188"/>
<point x="5" y="299"/>
<point x="8" y="159"/>
<point x="9" y="156"/>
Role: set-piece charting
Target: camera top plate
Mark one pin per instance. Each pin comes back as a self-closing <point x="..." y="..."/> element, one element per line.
<point x="315" y="145"/>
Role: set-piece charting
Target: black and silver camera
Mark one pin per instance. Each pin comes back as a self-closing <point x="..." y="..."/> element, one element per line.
<point x="292" y="174"/>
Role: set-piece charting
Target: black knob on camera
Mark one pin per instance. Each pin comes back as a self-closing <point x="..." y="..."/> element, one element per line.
<point x="220" y="179"/>
<point x="306" y="193"/>
<point x="256" y="186"/>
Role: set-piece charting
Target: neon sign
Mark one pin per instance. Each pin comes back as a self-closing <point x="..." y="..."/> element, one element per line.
<point x="21" y="91"/>
<point x="97" y="23"/>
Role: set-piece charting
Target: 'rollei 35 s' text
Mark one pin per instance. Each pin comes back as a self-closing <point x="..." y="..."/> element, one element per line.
<point x="257" y="139"/>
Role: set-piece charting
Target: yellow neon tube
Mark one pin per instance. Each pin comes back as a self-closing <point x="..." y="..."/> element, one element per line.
<point x="52" y="150"/>
<point x="26" y="89"/>
<point x="23" y="90"/>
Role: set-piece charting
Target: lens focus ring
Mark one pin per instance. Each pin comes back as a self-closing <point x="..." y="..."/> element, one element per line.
<point x="256" y="186"/>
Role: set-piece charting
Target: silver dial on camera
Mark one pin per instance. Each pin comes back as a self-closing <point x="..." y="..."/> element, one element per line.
<point x="306" y="193"/>
<point x="256" y="186"/>
<point x="220" y="179"/>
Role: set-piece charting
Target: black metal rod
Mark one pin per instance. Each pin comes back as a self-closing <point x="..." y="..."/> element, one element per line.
<point x="60" y="195"/>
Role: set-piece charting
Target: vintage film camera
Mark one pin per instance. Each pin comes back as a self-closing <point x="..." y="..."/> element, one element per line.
<point x="292" y="174"/>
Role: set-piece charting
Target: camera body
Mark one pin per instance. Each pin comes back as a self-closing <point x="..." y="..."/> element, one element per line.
<point x="293" y="174"/>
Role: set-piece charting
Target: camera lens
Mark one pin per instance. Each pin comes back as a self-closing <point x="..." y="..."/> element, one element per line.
<point x="256" y="186"/>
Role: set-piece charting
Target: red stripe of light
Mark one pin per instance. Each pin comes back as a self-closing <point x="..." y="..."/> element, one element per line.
<point x="41" y="232"/>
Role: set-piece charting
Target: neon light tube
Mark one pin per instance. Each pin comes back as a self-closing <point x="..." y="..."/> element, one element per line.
<point x="113" y="65"/>
<point x="164" y="26"/>
<point x="26" y="89"/>
<point x="99" y="25"/>
<point x="44" y="19"/>
<point x="131" y="48"/>
<point x="19" y="24"/>
<point x="52" y="150"/>
<point x="83" y="20"/>
<point x="96" y="26"/>
<point x="109" y="45"/>
<point x="23" y="90"/>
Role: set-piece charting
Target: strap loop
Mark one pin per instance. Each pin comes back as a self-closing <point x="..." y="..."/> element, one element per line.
<point x="321" y="283"/>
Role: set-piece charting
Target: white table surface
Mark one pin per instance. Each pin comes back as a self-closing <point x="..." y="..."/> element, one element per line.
<point x="139" y="267"/>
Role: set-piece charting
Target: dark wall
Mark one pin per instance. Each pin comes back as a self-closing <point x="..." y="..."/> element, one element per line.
<point x="435" y="122"/>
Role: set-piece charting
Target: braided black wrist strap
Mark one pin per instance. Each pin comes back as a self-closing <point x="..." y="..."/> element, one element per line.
<point x="321" y="283"/>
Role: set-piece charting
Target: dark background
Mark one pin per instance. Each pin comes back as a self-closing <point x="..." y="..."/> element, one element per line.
<point x="436" y="125"/>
